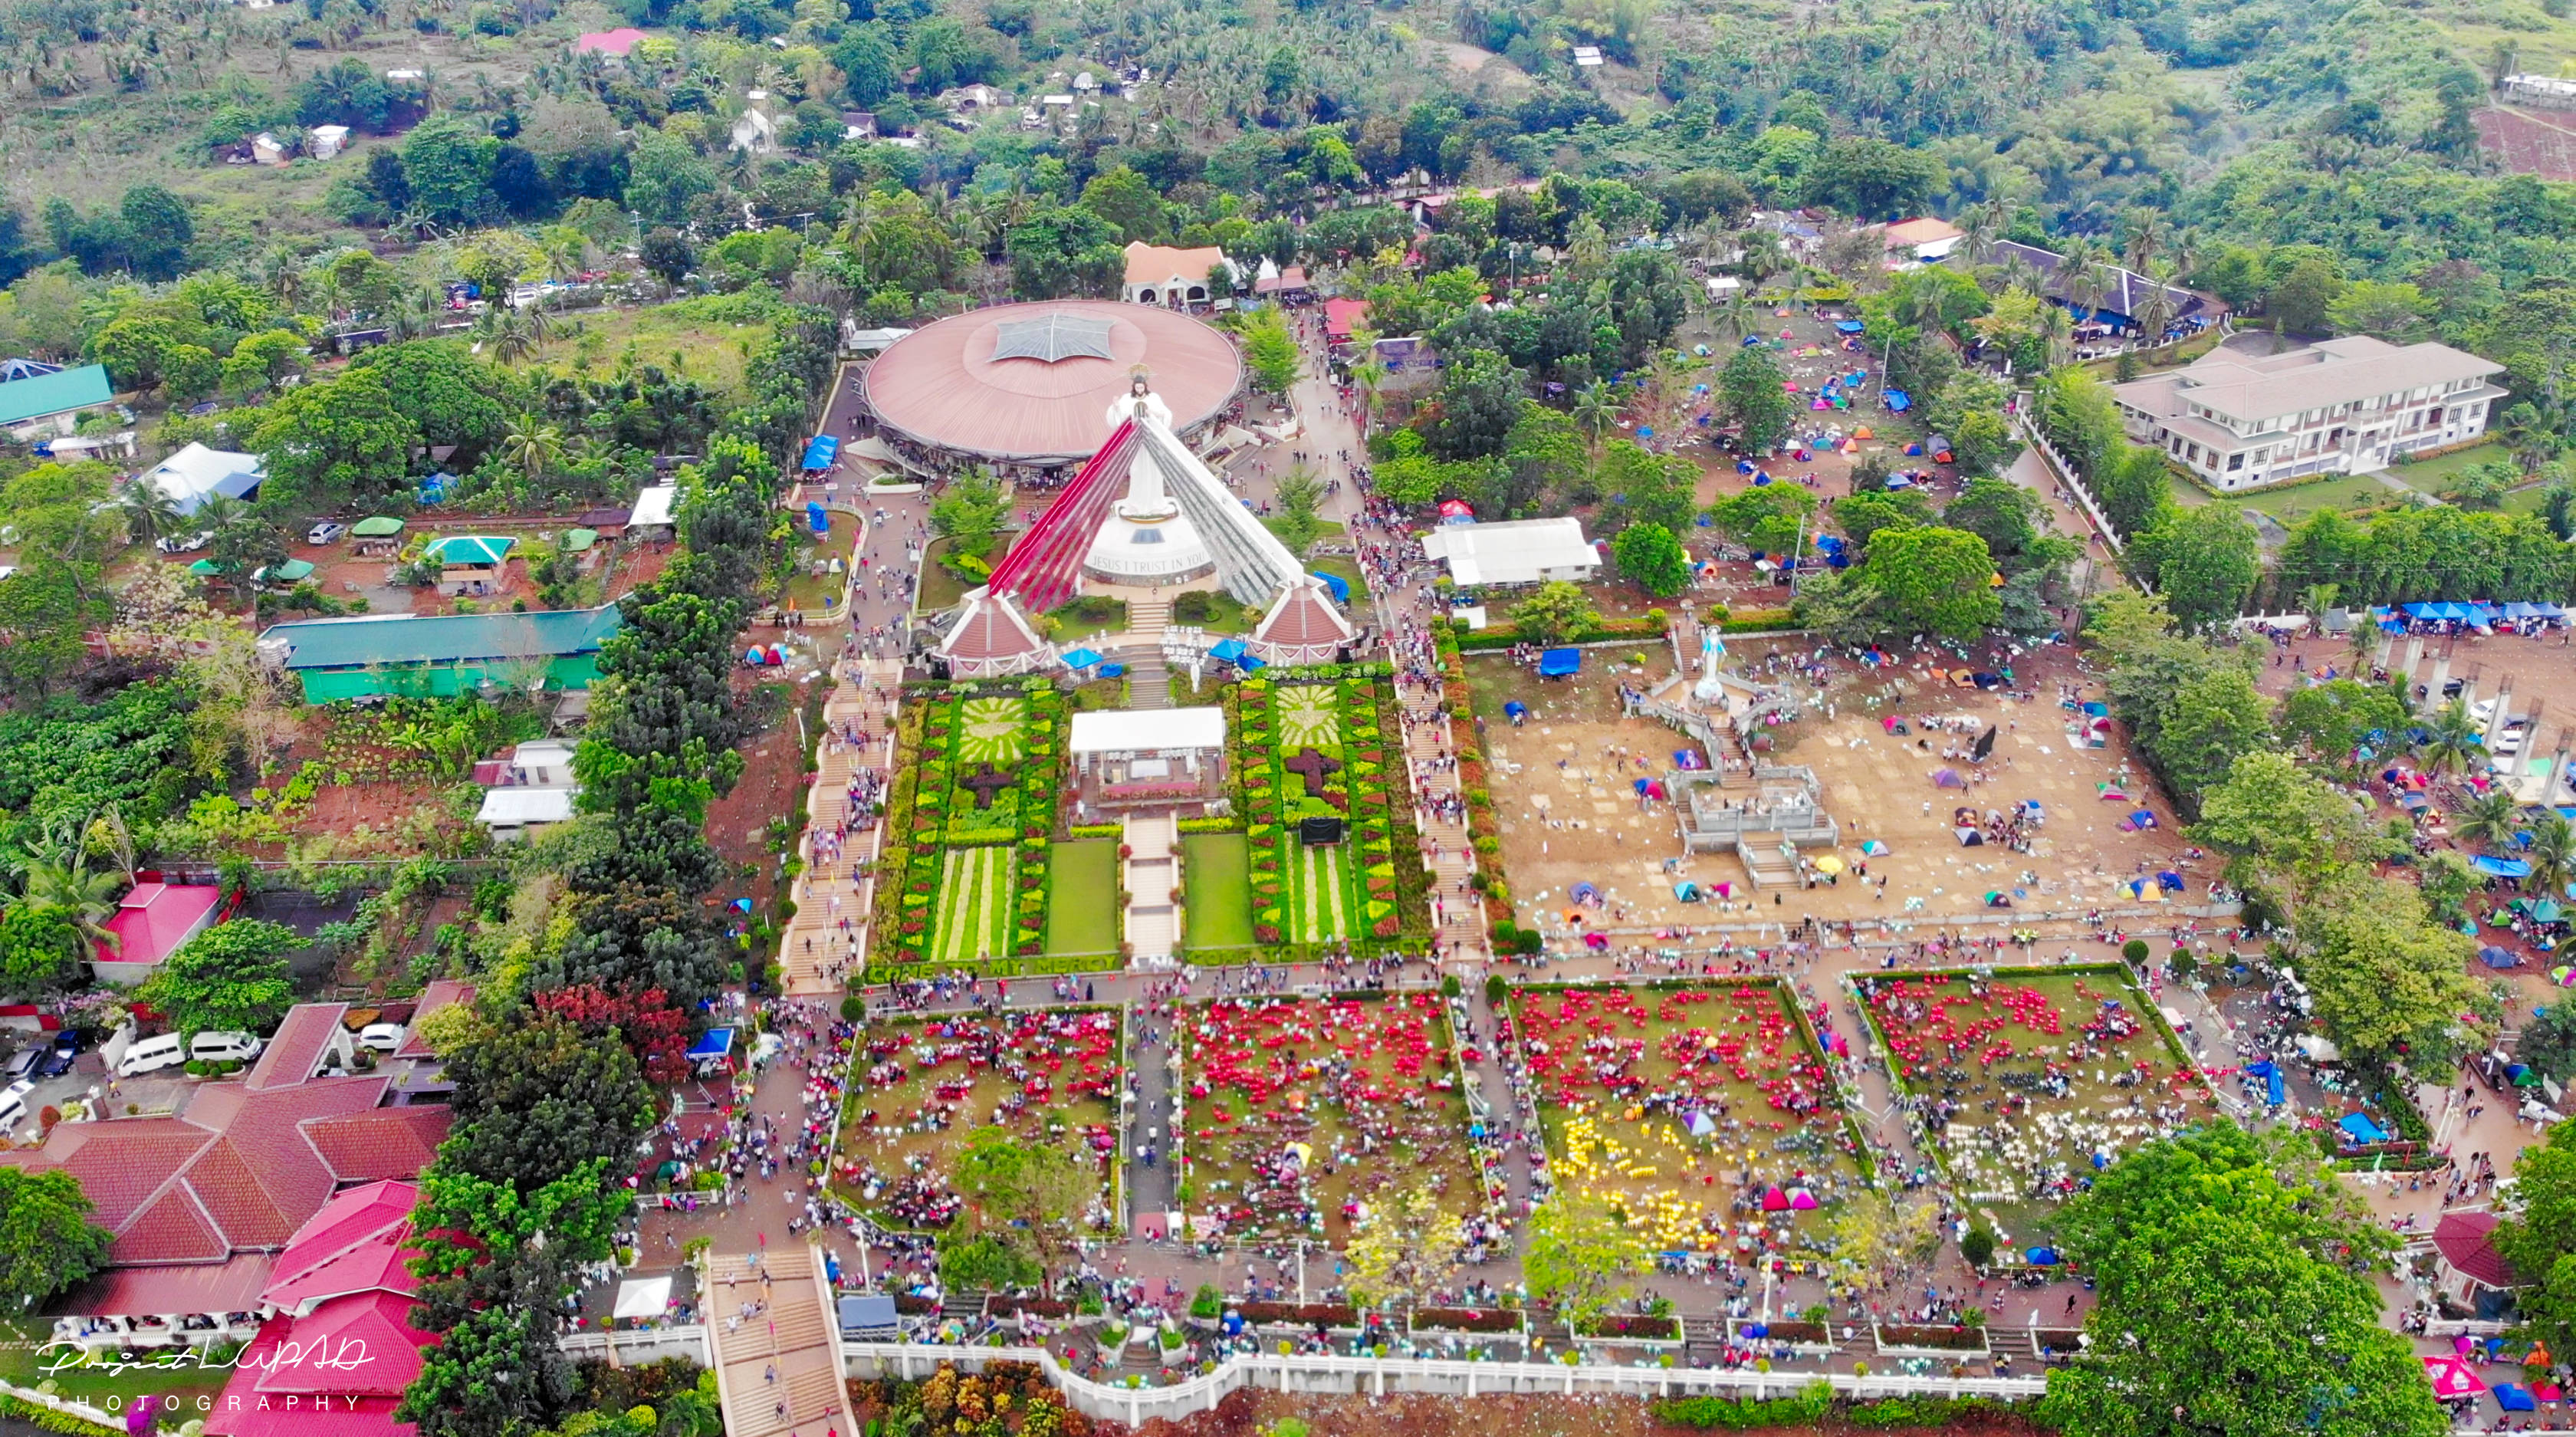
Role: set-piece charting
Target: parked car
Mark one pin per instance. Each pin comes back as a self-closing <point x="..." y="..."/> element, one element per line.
<point x="13" y="1104"/>
<point x="186" y="543"/>
<point x="22" y="1063"/>
<point x="326" y="532"/>
<point x="381" y="1037"/>
<point x="60" y="1057"/>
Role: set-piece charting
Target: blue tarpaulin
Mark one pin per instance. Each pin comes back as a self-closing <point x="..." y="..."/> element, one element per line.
<point x="1340" y="586"/>
<point x="1557" y="663"/>
<point x="1898" y="401"/>
<point x="817" y="520"/>
<point x="821" y="452"/>
<point x="1849" y="326"/>
<point x="2494" y="867"/>
<point x="2270" y="1072"/>
<point x="2361" y="1129"/>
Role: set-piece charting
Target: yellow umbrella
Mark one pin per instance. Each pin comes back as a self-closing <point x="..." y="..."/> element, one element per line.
<point x="1829" y="864"/>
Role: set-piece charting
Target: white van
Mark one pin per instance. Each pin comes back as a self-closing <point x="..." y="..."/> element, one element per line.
<point x="151" y="1055"/>
<point x="13" y="1104"/>
<point x="224" y="1047"/>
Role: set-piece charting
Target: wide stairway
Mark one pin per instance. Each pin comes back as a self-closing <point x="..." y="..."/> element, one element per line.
<point x="1764" y="864"/>
<point x="1153" y="871"/>
<point x="1149" y="682"/>
<point x="814" y="936"/>
<point x="777" y="1372"/>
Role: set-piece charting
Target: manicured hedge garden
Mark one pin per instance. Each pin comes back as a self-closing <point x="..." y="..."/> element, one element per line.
<point x="969" y="823"/>
<point x="1370" y="889"/>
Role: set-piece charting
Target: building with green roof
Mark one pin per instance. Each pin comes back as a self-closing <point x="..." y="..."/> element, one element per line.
<point x="56" y="396"/>
<point x="441" y="655"/>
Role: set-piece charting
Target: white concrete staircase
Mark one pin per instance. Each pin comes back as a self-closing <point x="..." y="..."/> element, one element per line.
<point x="779" y="1372"/>
<point x="814" y="937"/>
<point x="1153" y="871"/>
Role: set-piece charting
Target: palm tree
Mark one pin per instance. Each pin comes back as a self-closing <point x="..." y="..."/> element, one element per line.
<point x="511" y="341"/>
<point x="218" y="513"/>
<point x="2315" y="599"/>
<point x="62" y="884"/>
<point x="149" y="511"/>
<point x="2488" y="820"/>
<point x="533" y="447"/>
<point x="2451" y="739"/>
<point x="2552" y="854"/>
<point x="1596" y="410"/>
<point x="1764" y="256"/>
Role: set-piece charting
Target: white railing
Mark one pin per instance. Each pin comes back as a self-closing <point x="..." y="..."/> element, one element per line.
<point x="1368" y="1376"/>
<point x="642" y="1344"/>
<point x="112" y="1421"/>
<point x="2064" y="470"/>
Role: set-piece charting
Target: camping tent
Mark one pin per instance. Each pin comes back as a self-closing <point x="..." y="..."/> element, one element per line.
<point x="640" y="1298"/>
<point x="1970" y="838"/>
<point x="2498" y="957"/>
<point x="2144" y="818"/>
<point x="1947" y="778"/>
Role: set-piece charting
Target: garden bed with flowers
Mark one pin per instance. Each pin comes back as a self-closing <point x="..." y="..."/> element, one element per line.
<point x="1297" y="1111"/>
<point x="2031" y="1079"/>
<point x="968" y="825"/>
<point x="920" y="1089"/>
<point x="1688" y="1106"/>
<point x="1327" y="743"/>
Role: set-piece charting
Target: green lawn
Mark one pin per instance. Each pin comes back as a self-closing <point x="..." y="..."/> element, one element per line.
<point x="973" y="922"/>
<point x="1345" y="570"/>
<point x="2435" y="475"/>
<point x="2359" y="491"/>
<point x="1223" y="614"/>
<point x="1082" y="898"/>
<point x="1070" y="624"/>
<point x="1216" y="876"/>
<point x="941" y="590"/>
<point x="22" y="1365"/>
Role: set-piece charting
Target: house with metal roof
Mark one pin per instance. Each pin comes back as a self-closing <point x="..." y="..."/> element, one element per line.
<point x="193" y="474"/>
<point x="442" y="654"/>
<point x="470" y="563"/>
<point x="51" y="402"/>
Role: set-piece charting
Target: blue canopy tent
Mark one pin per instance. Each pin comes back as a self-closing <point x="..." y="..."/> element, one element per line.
<point x="817" y="520"/>
<point x="820" y="453"/>
<point x="2494" y="867"/>
<point x="2360" y="1129"/>
<point x="1081" y="659"/>
<point x="2480" y="614"/>
<point x="1849" y="326"/>
<point x="714" y="1050"/>
<point x="1230" y="650"/>
<point x="1340" y="586"/>
<point x="1559" y="663"/>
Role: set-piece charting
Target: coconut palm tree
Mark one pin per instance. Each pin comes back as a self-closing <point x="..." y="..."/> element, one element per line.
<point x="60" y="882"/>
<point x="533" y="447"/>
<point x="511" y="341"/>
<point x="2451" y="739"/>
<point x="148" y="511"/>
<point x="1596" y="410"/>
<point x="2488" y="820"/>
<point x="2552" y="854"/>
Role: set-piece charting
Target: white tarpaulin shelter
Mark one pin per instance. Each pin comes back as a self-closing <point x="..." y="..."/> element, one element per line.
<point x="1519" y="551"/>
<point x="1148" y="731"/>
<point x="643" y="1297"/>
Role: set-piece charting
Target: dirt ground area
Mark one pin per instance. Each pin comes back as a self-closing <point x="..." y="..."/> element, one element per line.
<point x="1248" y="1411"/>
<point x="1563" y="789"/>
<point x="2525" y="144"/>
<point x="772" y="786"/>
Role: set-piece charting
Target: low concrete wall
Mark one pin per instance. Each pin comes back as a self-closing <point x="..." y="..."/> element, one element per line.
<point x="1365" y="1376"/>
<point x="642" y="1345"/>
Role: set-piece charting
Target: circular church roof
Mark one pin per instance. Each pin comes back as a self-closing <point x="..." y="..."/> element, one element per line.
<point x="1028" y="383"/>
